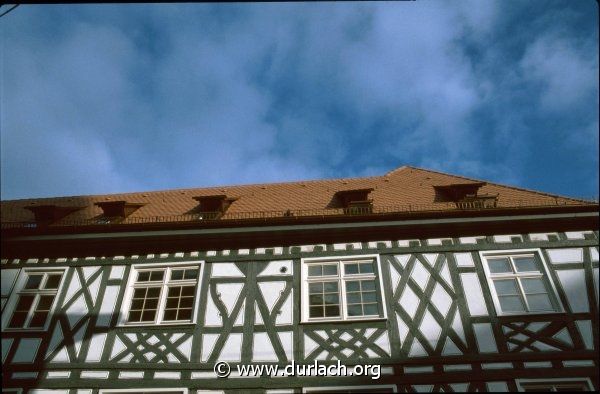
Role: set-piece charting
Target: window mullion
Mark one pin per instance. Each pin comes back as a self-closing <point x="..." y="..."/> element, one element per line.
<point x="32" y="309"/>
<point x="162" y="297"/>
<point x="523" y="294"/>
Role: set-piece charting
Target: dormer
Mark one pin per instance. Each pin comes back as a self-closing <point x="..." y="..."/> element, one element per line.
<point x="355" y="201"/>
<point x="47" y="214"/>
<point x="116" y="211"/>
<point x="213" y="207"/>
<point x="466" y="195"/>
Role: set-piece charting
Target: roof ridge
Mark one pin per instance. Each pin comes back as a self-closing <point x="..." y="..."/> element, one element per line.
<point x="499" y="184"/>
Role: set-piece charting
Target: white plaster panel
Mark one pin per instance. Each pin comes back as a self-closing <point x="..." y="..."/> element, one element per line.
<point x="232" y="350"/>
<point x="285" y="314"/>
<point x="226" y="270"/>
<point x="485" y="338"/>
<point x="420" y="275"/>
<point x="8" y="280"/>
<point x="287" y="342"/>
<point x="6" y="344"/>
<point x="561" y="256"/>
<point x="497" y="387"/>
<point x="430" y="329"/>
<point x="229" y="293"/>
<point x="464" y="259"/>
<point x="262" y="349"/>
<point x="573" y="284"/>
<point x="441" y="299"/>
<point x="96" y="348"/>
<point x="208" y="343"/>
<point x="585" y="329"/>
<point x="505" y="238"/>
<point x="473" y="294"/>
<point x="26" y="350"/>
<point x="212" y="317"/>
<point x="77" y="311"/>
<point x="116" y="272"/>
<point x="409" y="301"/>
<point x="271" y="292"/>
<point x="278" y="268"/>
<point x="108" y="305"/>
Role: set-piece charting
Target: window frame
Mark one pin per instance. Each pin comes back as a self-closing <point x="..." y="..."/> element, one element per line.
<point x="17" y="289"/>
<point x="545" y="273"/>
<point x="159" y="320"/>
<point x="554" y="381"/>
<point x="342" y="279"/>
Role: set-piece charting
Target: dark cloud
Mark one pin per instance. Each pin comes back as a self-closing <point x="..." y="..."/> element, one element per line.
<point x="107" y="98"/>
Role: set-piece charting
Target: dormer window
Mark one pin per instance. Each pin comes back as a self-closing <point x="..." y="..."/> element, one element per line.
<point x="47" y="214"/>
<point x="213" y="207"/>
<point x="466" y="195"/>
<point x="116" y="211"/>
<point x="355" y="202"/>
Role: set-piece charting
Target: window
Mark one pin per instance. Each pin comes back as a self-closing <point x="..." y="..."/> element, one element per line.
<point x="566" y="384"/>
<point x="145" y="391"/>
<point x="31" y="305"/>
<point x="162" y="295"/>
<point x="342" y="289"/>
<point x="519" y="283"/>
<point x="351" y="389"/>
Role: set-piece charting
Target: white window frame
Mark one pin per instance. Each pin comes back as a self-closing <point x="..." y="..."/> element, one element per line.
<point x="18" y="286"/>
<point x="338" y="388"/>
<point x="552" y="381"/>
<point x="545" y="273"/>
<point x="126" y="305"/>
<point x="341" y="278"/>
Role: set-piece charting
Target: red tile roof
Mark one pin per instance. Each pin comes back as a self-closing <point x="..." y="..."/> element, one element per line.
<point x="403" y="189"/>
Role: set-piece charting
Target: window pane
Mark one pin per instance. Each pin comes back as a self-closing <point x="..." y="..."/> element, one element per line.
<point x="184" y="314"/>
<point x="170" y="314"/>
<point x="330" y="287"/>
<point x="499" y="265"/>
<point x="172" y="302"/>
<point x="191" y="274"/>
<point x="315" y="299"/>
<point x="350" y="269"/>
<point x="315" y="287"/>
<point x="330" y="269"/>
<point x="354" y="310"/>
<point x="148" y="315"/>
<point x="186" y="302"/>
<point x="134" y="316"/>
<point x="369" y="297"/>
<point x="176" y="274"/>
<point x="332" y="299"/>
<point x="38" y="319"/>
<point x="139" y="293"/>
<point x="44" y="303"/>
<point x="511" y="304"/>
<point x="367" y="285"/>
<point x="366" y="268"/>
<point x="316" y="311"/>
<point x="153" y="292"/>
<point x="24" y="303"/>
<point x="187" y="291"/>
<point x="533" y="285"/>
<point x="539" y="302"/>
<point x="371" y="309"/>
<point x="332" y="310"/>
<point x="174" y="291"/>
<point x="53" y="281"/>
<point x="506" y="287"/>
<point x="151" y="303"/>
<point x="18" y="319"/>
<point x="315" y="270"/>
<point x="143" y="276"/>
<point x="526" y="264"/>
<point x="157" y="275"/>
<point x="353" y="298"/>
<point x="353" y="286"/>
<point x="33" y="281"/>
<point x="137" y="303"/>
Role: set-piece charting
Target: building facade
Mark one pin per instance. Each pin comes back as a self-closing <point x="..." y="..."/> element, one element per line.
<point x="411" y="281"/>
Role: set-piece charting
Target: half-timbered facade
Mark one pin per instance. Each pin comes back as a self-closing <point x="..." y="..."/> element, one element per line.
<point x="445" y="283"/>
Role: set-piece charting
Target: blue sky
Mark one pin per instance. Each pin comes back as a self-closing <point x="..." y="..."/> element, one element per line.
<point x="115" y="98"/>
